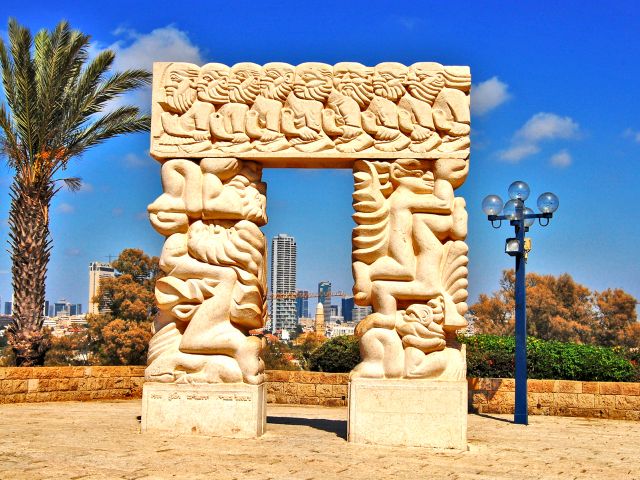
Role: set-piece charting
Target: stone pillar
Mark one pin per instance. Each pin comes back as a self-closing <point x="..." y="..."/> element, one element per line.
<point x="410" y="265"/>
<point x="204" y="371"/>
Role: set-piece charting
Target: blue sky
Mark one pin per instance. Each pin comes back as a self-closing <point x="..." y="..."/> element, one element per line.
<point x="555" y="103"/>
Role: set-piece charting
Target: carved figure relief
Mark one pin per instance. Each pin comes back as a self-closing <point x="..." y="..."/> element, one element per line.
<point x="214" y="288"/>
<point x="410" y="265"/>
<point x="345" y="110"/>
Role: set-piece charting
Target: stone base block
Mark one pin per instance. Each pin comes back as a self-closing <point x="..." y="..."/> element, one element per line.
<point x="412" y="413"/>
<point x="233" y="410"/>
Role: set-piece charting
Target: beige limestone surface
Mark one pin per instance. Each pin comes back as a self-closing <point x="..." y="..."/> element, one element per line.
<point x="234" y="410"/>
<point x="294" y="115"/>
<point x="96" y="440"/>
<point x="412" y="413"/>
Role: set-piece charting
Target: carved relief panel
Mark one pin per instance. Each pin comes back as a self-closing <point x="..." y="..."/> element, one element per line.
<point x="410" y="265"/>
<point x="310" y="111"/>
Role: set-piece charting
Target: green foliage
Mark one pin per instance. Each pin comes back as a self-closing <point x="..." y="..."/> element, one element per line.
<point x="493" y="356"/>
<point x="277" y="355"/>
<point x="68" y="350"/>
<point x="337" y="355"/>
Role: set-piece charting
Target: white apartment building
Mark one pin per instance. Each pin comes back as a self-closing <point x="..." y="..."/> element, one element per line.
<point x="97" y="271"/>
<point x="283" y="283"/>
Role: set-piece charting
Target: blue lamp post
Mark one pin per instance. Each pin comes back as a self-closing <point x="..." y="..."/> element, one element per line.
<point x="521" y="218"/>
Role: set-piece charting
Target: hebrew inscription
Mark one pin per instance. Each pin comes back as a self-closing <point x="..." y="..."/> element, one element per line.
<point x="410" y="264"/>
<point x="214" y="289"/>
<point x="312" y="110"/>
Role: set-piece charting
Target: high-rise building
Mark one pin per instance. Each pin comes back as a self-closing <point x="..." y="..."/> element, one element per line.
<point x="98" y="271"/>
<point x="358" y="313"/>
<point x="324" y="297"/>
<point x="75" y="309"/>
<point x="8" y="308"/>
<point x="61" y="308"/>
<point x="347" y="306"/>
<point x="333" y="311"/>
<point x="283" y="283"/>
<point x="46" y="308"/>
<point x="302" y="303"/>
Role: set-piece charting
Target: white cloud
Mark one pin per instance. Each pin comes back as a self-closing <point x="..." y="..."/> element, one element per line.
<point x="133" y="160"/>
<point x="546" y="126"/>
<point x="73" y="252"/>
<point x="561" y="159"/>
<point x="632" y="134"/>
<point x="66" y="208"/>
<point x="407" y="22"/>
<point x="117" y="212"/>
<point x="540" y="128"/>
<point x="517" y="152"/>
<point x="165" y="44"/>
<point x="142" y="216"/>
<point x="140" y="50"/>
<point x="86" y="187"/>
<point x="487" y="95"/>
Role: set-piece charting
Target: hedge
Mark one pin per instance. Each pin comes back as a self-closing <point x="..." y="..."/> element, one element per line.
<point x="493" y="356"/>
<point x="337" y="355"/>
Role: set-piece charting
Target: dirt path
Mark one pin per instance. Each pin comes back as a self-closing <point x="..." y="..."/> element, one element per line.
<point x="101" y="440"/>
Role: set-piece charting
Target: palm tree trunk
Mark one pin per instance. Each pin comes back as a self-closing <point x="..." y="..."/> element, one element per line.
<point x="30" y="250"/>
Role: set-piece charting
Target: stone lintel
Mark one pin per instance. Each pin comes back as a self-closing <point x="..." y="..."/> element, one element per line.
<point x="232" y="410"/>
<point x="408" y="413"/>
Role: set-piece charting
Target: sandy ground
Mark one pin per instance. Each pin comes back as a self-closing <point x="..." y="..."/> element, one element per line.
<point x="102" y="440"/>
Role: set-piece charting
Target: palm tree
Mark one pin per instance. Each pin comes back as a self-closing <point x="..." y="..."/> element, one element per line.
<point x="55" y="96"/>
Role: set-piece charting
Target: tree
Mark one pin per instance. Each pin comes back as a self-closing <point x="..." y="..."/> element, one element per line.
<point x="121" y="337"/>
<point x="337" y="355"/>
<point x="559" y="308"/>
<point x="54" y="99"/>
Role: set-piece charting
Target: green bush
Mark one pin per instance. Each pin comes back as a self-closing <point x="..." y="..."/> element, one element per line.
<point x="337" y="355"/>
<point x="493" y="356"/>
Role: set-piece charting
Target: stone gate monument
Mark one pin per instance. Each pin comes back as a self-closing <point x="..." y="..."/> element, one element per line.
<point x="405" y="133"/>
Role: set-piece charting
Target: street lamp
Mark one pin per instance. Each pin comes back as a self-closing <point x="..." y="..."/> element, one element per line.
<point x="521" y="218"/>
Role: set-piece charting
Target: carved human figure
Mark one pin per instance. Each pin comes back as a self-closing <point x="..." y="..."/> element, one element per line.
<point x="381" y="119"/>
<point x="214" y="287"/>
<point x="186" y="112"/>
<point x="353" y="91"/>
<point x="451" y="113"/>
<point x="228" y="124"/>
<point x="408" y="249"/>
<point x="302" y="115"/>
<point x="424" y="82"/>
<point x="264" y="118"/>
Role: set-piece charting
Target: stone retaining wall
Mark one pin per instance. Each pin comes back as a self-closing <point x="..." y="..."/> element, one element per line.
<point x="307" y="388"/>
<point x="566" y="398"/>
<point x="486" y="395"/>
<point x="53" y="384"/>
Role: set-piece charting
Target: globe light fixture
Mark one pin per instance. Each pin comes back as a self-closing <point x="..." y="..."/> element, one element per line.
<point x="521" y="218"/>
<point x="492" y="205"/>
<point x="512" y="209"/>
<point x="528" y="221"/>
<point x="519" y="190"/>
<point x="548" y="202"/>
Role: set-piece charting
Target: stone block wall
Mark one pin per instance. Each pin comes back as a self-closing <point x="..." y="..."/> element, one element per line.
<point x="486" y="395"/>
<point x="307" y="388"/>
<point x="53" y="384"/>
<point x="614" y="400"/>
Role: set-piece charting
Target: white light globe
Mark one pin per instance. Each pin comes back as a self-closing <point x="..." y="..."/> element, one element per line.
<point x="548" y="202"/>
<point x="509" y="209"/>
<point x="519" y="190"/>
<point x="528" y="221"/>
<point x="492" y="205"/>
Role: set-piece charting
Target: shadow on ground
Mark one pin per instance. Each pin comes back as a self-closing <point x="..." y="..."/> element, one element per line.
<point x="337" y="427"/>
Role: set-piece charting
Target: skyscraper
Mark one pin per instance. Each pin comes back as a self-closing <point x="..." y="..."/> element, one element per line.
<point x="347" y="306"/>
<point x="283" y="283"/>
<point x="324" y="297"/>
<point x="97" y="271"/>
<point x="359" y="313"/>
<point x="302" y="303"/>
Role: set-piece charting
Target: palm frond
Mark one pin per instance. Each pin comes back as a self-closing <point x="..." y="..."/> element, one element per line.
<point x="73" y="184"/>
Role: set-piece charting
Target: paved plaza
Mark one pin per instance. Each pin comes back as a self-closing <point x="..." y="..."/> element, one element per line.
<point x="102" y="440"/>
